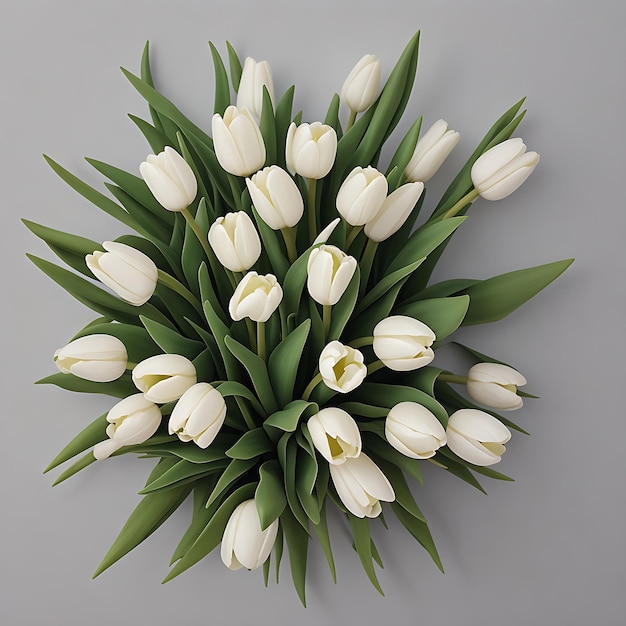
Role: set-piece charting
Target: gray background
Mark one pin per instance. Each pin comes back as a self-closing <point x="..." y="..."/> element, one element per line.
<point x="547" y="549"/>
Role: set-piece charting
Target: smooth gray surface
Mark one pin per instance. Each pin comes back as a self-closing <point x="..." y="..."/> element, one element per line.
<point x="547" y="549"/>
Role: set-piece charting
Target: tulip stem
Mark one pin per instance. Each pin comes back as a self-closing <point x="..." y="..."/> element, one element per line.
<point x="462" y="203"/>
<point x="236" y="193"/>
<point x="353" y="233"/>
<point x="171" y="283"/>
<point x="289" y="235"/>
<point x="260" y="339"/>
<point x="451" y="378"/>
<point x="130" y="365"/>
<point x="374" y="367"/>
<point x="367" y="261"/>
<point x="202" y="238"/>
<point x="251" y="334"/>
<point x="312" y="187"/>
<point x="317" y="379"/>
<point x="351" y="120"/>
<point x="361" y="341"/>
<point x="327" y="311"/>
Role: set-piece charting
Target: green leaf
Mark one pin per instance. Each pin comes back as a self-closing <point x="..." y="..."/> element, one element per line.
<point x="235" y="66"/>
<point x="273" y="246"/>
<point x="363" y="546"/>
<point x="257" y="370"/>
<point x="154" y="136"/>
<point x="282" y="118"/>
<point x="222" y="88"/>
<point x="442" y="315"/>
<point x="238" y="390"/>
<point x="171" y="341"/>
<point x="458" y="469"/>
<point x="297" y="543"/>
<point x="270" y="496"/>
<point x="119" y="388"/>
<point x="495" y="298"/>
<point x="379" y="448"/>
<point x="444" y="289"/>
<point x="283" y="363"/>
<point x="404" y="497"/>
<point x="252" y="444"/>
<point x="268" y="128"/>
<point x="306" y="475"/>
<point x="77" y="466"/>
<point x="321" y="532"/>
<point x="192" y="453"/>
<point x="288" y="418"/>
<point x="235" y="470"/>
<point x="342" y="311"/>
<point x="294" y="282"/>
<point x="403" y="155"/>
<point x="287" y="453"/>
<point x="179" y="474"/>
<point x="364" y="410"/>
<point x="424" y="378"/>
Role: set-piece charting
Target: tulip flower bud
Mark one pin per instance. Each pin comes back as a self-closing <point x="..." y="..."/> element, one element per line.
<point x="502" y="169"/>
<point x="342" y="367"/>
<point x="198" y="415"/>
<point x="335" y="435"/>
<point x="235" y="241"/>
<point x="361" y="195"/>
<point x="131" y="421"/>
<point x="495" y="385"/>
<point x="276" y="197"/>
<point x="414" y="431"/>
<point x="238" y="142"/>
<point x="254" y="76"/>
<point x="100" y="358"/>
<point x="361" y="486"/>
<point x="324" y="236"/>
<point x="431" y="151"/>
<point x="129" y="273"/>
<point x="256" y="297"/>
<point x="394" y="211"/>
<point x="244" y="544"/>
<point x="164" y="377"/>
<point x="403" y="343"/>
<point x="329" y="273"/>
<point x="170" y="179"/>
<point x="311" y="149"/>
<point x="361" y="87"/>
<point x="477" y="436"/>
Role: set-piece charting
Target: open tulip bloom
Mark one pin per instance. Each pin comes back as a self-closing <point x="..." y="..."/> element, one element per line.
<point x="269" y="333"/>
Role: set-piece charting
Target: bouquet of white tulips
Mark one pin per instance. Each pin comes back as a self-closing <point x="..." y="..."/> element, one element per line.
<point x="271" y="329"/>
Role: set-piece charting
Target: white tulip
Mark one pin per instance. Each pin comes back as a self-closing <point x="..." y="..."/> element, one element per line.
<point x="164" y="377"/>
<point x="335" y="435"/>
<point x="431" y="151"/>
<point x="100" y="358"/>
<point x="198" y="415"/>
<point x="403" y="343"/>
<point x="129" y="273"/>
<point x="477" y="436"/>
<point x="256" y="297"/>
<point x="502" y="169"/>
<point x="329" y="273"/>
<point x="361" y="486"/>
<point x="254" y="76"/>
<point x="342" y="367"/>
<point x="495" y="385"/>
<point x="394" y="211"/>
<point x="170" y="179"/>
<point x="325" y="234"/>
<point x="238" y="142"/>
<point x="360" y="89"/>
<point x="131" y="421"/>
<point x="276" y="197"/>
<point x="414" y="431"/>
<point x="311" y="149"/>
<point x="361" y="195"/>
<point x="244" y="544"/>
<point x="235" y="241"/>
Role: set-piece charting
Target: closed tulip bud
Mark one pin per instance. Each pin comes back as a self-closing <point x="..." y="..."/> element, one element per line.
<point x="100" y="358"/>
<point x="361" y="486"/>
<point x="164" y="377"/>
<point x="129" y="273"/>
<point x="311" y="149"/>
<point x="414" y="431"/>
<point x="276" y="197"/>
<point x="235" y="241"/>
<point x="244" y="544"/>
<point x="495" y="385"/>
<point x="335" y="435"/>
<point x="238" y="142"/>
<point x="394" y="212"/>
<point x="502" y="169"/>
<point x="256" y="297"/>
<point x="431" y="151"/>
<point x="342" y="367"/>
<point x="477" y="436"/>
<point x="254" y="76"/>
<point x="361" y="87"/>
<point x="329" y="273"/>
<point x="131" y="421"/>
<point x="198" y="415"/>
<point x="403" y="343"/>
<point x="170" y="179"/>
<point x="361" y="195"/>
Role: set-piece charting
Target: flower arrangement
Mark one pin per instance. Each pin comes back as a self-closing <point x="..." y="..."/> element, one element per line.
<point x="272" y="328"/>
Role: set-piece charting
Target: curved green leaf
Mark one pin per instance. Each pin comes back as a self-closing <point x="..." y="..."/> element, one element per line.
<point x="270" y="496"/>
<point x="442" y="315"/>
